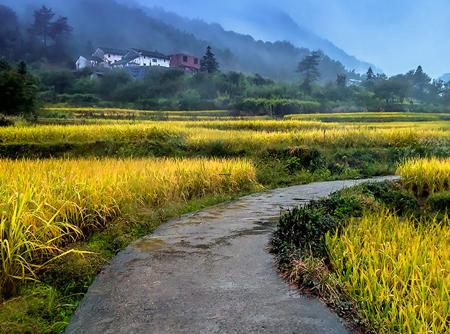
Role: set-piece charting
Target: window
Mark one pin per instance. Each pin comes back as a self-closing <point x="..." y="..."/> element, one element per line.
<point x="185" y="59"/>
<point x="154" y="60"/>
<point x="196" y="61"/>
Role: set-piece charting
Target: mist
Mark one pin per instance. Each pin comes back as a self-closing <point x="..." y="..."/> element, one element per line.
<point x="395" y="35"/>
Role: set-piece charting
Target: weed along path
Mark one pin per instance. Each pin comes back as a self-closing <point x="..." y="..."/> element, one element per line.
<point x="208" y="272"/>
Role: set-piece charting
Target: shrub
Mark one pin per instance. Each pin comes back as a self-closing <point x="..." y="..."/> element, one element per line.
<point x="439" y="201"/>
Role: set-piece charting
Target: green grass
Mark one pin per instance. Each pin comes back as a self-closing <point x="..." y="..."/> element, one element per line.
<point x="47" y="306"/>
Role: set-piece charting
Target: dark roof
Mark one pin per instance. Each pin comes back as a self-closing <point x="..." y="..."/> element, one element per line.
<point x="114" y="51"/>
<point x="152" y="54"/>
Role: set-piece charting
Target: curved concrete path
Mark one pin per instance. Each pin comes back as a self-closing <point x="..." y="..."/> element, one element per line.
<point x="207" y="272"/>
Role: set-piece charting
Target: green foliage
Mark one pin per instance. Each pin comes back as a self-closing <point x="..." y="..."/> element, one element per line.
<point x="209" y="63"/>
<point x="18" y="91"/>
<point x="439" y="201"/>
<point x="277" y="107"/>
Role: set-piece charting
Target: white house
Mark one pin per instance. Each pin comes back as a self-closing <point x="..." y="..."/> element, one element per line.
<point x="82" y="62"/>
<point x="139" y="57"/>
<point x="109" y="55"/>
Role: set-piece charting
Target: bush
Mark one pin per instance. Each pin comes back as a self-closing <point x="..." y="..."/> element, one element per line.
<point x="17" y="91"/>
<point x="79" y="99"/>
<point x="304" y="157"/>
<point x="439" y="201"/>
<point x="393" y="196"/>
<point x="277" y="107"/>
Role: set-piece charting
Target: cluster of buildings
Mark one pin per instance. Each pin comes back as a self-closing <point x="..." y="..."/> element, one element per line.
<point x="137" y="58"/>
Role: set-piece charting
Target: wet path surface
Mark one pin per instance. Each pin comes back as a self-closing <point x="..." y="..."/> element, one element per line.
<point x="207" y="272"/>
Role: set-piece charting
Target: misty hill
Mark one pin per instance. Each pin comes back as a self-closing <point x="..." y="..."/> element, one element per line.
<point x="273" y="24"/>
<point x="108" y="23"/>
<point x="445" y="77"/>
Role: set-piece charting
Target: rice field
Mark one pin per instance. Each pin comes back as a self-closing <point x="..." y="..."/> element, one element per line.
<point x="46" y="204"/>
<point x="372" y="117"/>
<point x="232" y="134"/>
<point x="398" y="274"/>
<point x="426" y="176"/>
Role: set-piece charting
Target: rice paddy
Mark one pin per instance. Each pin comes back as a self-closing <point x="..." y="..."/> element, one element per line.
<point x="398" y="274"/>
<point x="426" y="176"/>
<point x="50" y="205"/>
<point x="46" y="204"/>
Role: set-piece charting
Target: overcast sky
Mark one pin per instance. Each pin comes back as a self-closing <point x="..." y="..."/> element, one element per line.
<point x="396" y="35"/>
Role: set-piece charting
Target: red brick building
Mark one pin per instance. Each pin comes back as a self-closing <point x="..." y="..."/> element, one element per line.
<point x="186" y="62"/>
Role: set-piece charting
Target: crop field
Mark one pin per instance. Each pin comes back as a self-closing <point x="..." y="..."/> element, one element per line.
<point x="398" y="274"/>
<point x="130" y="114"/>
<point x="46" y="204"/>
<point x="232" y="133"/>
<point x="365" y="117"/>
<point x="426" y="176"/>
<point x="69" y="190"/>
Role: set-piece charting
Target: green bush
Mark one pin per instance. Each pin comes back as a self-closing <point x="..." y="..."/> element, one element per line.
<point x="439" y="201"/>
<point x="78" y="99"/>
<point x="277" y="107"/>
<point x="392" y="195"/>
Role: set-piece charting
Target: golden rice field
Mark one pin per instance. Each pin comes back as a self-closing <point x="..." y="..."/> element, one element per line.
<point x="46" y="204"/>
<point x="426" y="176"/>
<point x="398" y="274"/>
<point x="372" y="116"/>
<point x="80" y="112"/>
<point x="233" y="134"/>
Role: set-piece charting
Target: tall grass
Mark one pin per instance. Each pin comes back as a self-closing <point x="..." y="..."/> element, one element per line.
<point x="426" y="176"/>
<point x="397" y="271"/>
<point x="47" y="204"/>
<point x="235" y="134"/>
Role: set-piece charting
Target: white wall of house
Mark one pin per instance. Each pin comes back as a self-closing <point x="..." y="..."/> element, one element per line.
<point x="82" y="63"/>
<point x="112" y="58"/>
<point x="149" y="61"/>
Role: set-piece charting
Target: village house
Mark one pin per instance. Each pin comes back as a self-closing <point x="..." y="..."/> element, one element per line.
<point x="109" y="55"/>
<point x="139" y="57"/>
<point x="185" y="62"/>
<point x="136" y="60"/>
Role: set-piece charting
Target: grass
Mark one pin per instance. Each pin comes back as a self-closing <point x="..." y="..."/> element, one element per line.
<point x="365" y="117"/>
<point x="398" y="274"/>
<point x="46" y="306"/>
<point x="47" y="204"/>
<point x="426" y="176"/>
<point x="99" y="205"/>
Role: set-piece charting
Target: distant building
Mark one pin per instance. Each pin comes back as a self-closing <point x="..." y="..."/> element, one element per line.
<point x="109" y="55"/>
<point x="139" y="57"/>
<point x="186" y="62"/>
<point x="82" y="62"/>
<point x="354" y="82"/>
<point x="136" y="61"/>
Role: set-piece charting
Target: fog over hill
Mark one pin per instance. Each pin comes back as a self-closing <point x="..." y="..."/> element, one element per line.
<point x="113" y="24"/>
<point x="269" y="24"/>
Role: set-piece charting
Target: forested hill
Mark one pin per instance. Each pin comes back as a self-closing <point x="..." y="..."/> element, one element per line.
<point x="108" y="23"/>
<point x="269" y="23"/>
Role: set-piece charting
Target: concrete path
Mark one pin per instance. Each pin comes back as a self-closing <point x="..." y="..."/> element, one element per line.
<point x="207" y="272"/>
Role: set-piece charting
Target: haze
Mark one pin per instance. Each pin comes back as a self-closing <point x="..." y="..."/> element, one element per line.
<point x="395" y="35"/>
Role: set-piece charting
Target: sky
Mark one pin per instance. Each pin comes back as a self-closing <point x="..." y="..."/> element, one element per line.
<point x="395" y="35"/>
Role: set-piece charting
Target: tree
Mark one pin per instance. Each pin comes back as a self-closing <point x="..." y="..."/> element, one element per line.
<point x="341" y="80"/>
<point x="9" y="33"/>
<point x="17" y="91"/>
<point x="370" y="75"/>
<point x="49" y="30"/>
<point x="308" y="68"/>
<point x="209" y="63"/>
<point x="42" y="24"/>
<point x="395" y="88"/>
<point x="420" y="82"/>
